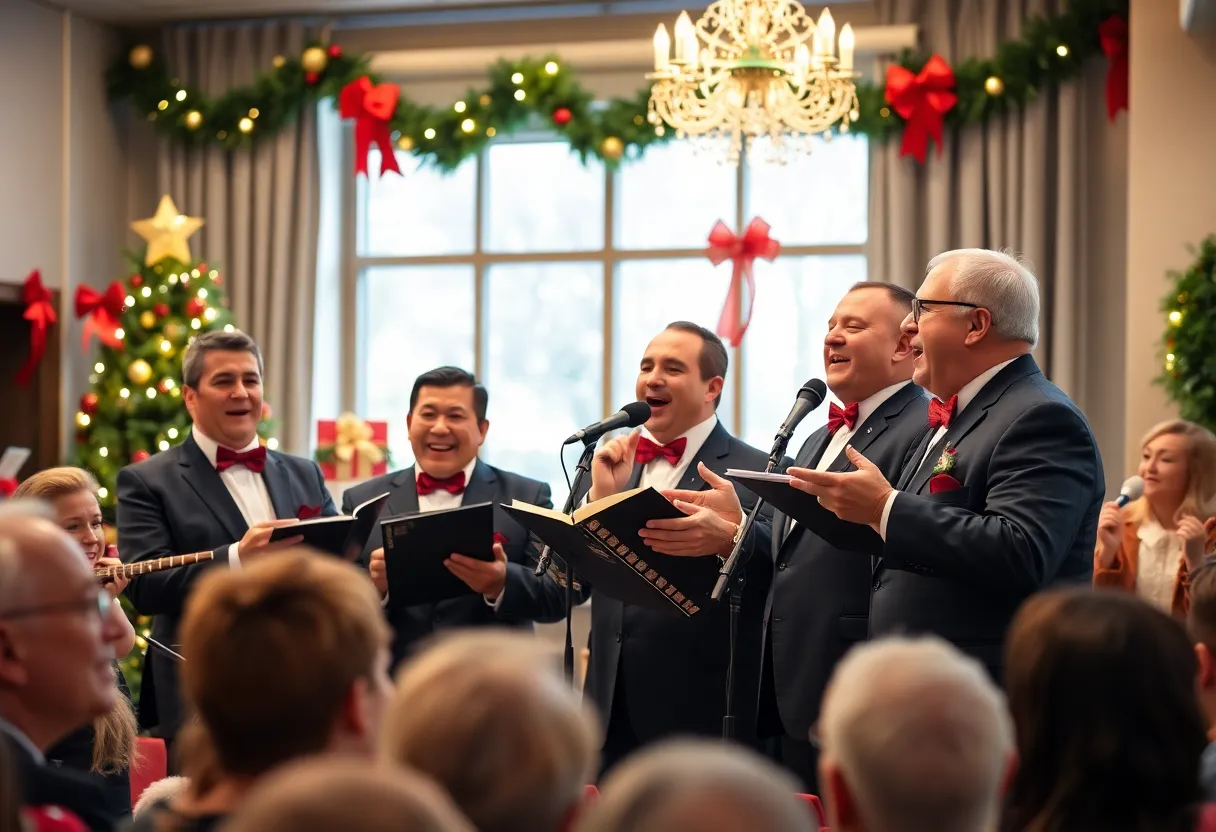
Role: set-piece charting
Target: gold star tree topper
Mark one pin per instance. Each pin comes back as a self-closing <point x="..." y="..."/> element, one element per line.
<point x="167" y="233"/>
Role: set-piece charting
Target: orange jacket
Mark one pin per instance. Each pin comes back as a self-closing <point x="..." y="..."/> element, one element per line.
<point x="1122" y="575"/>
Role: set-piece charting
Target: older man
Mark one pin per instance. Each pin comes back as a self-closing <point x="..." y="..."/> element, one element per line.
<point x="915" y="738"/>
<point x="1001" y="498"/>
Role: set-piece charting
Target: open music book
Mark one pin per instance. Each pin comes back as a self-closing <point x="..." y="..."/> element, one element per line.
<point x="775" y="490"/>
<point x="343" y="535"/>
<point x="416" y="545"/>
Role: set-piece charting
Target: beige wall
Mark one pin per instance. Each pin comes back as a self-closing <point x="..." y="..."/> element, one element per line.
<point x="1171" y="187"/>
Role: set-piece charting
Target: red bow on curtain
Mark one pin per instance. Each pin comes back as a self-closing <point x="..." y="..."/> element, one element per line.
<point x="371" y="106"/>
<point x="103" y="310"/>
<point x="742" y="250"/>
<point x="922" y="100"/>
<point x="1112" y="34"/>
<point x="41" y="314"/>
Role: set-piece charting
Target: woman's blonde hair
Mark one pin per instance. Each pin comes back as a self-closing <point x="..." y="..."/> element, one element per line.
<point x="1200" y="469"/>
<point x="114" y="733"/>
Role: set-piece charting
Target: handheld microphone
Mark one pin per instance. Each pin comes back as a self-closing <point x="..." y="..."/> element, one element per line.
<point x="810" y="397"/>
<point x="1133" y="489"/>
<point x="629" y="416"/>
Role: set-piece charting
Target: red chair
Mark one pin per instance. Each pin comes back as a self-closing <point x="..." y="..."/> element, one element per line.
<point x="818" y="807"/>
<point x="151" y="764"/>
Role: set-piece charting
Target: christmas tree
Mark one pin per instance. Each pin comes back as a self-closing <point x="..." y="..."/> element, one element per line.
<point x="144" y="323"/>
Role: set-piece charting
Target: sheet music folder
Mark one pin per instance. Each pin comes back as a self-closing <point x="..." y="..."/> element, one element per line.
<point x="416" y="545"/>
<point x="343" y="535"/>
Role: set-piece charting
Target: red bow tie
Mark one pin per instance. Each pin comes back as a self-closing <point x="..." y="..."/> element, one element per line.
<point x="427" y="484"/>
<point x="941" y="414"/>
<point x="254" y="460"/>
<point x="838" y="416"/>
<point x="672" y="451"/>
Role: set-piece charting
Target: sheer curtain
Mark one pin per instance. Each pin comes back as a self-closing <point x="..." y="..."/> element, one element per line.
<point x="260" y="207"/>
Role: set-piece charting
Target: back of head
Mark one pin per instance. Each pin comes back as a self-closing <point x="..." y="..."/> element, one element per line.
<point x="1000" y="282"/>
<point x="919" y="735"/>
<point x="322" y="795"/>
<point x="701" y="786"/>
<point x="1101" y="686"/>
<point x="489" y="717"/>
<point x="273" y="651"/>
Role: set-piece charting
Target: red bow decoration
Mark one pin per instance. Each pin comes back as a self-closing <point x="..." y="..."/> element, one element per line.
<point x="308" y="512"/>
<point x="502" y="539"/>
<point x="103" y="310"/>
<point x="921" y="99"/>
<point x="371" y="106"/>
<point x="742" y="250"/>
<point x="41" y="314"/>
<point x="941" y="414"/>
<point x="1112" y="34"/>
<point x="7" y="487"/>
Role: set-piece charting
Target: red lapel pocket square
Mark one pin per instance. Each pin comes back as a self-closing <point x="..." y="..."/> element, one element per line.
<point x="499" y="537"/>
<point x="941" y="483"/>
<point x="308" y="512"/>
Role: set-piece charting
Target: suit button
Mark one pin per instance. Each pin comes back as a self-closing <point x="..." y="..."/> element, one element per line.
<point x="620" y="637"/>
<point x="777" y="619"/>
<point x="781" y="566"/>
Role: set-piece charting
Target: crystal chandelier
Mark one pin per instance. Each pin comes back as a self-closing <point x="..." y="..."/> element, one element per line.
<point x="745" y="70"/>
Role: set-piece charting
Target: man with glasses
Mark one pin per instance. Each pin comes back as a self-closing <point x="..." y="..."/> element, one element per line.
<point x="1001" y="498"/>
<point x="58" y="628"/>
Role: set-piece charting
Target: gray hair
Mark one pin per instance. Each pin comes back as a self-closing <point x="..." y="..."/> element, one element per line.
<point x="15" y="514"/>
<point x="1000" y="282"/>
<point x="216" y="340"/>
<point x="921" y="735"/>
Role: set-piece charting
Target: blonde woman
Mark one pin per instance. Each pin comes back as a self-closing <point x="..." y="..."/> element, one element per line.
<point x="1151" y="546"/>
<point x="103" y="749"/>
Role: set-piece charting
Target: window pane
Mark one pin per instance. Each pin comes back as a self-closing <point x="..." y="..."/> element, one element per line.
<point x="650" y="294"/>
<point x="672" y="196"/>
<point x="783" y="347"/>
<point x="544" y="342"/>
<point x="422" y="212"/>
<point x="404" y="337"/>
<point x="816" y="198"/>
<point x="541" y="197"/>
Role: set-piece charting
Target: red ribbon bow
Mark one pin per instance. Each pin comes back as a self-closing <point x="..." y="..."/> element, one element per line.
<point x="648" y="450"/>
<point x="254" y="459"/>
<point x="841" y="416"/>
<point x="7" y="487"/>
<point x="371" y="106"/>
<point x="941" y="414"/>
<point x="921" y="99"/>
<point x="41" y="314"/>
<point x="103" y="310"/>
<point x="742" y="250"/>
<point x="1112" y="34"/>
<point x="426" y="484"/>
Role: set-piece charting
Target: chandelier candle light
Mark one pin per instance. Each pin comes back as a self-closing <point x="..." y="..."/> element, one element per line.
<point x="753" y="68"/>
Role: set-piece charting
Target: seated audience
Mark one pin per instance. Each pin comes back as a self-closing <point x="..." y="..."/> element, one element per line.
<point x="698" y="785"/>
<point x="1201" y="622"/>
<point x="914" y="737"/>
<point x="1151" y="545"/>
<point x="1101" y="686"/>
<point x="348" y="795"/>
<point x="103" y="749"/>
<point x="489" y="716"/>
<point x="285" y="657"/>
<point x="162" y="790"/>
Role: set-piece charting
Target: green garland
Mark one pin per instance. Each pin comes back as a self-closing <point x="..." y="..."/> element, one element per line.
<point x="1189" y="345"/>
<point x="1050" y="52"/>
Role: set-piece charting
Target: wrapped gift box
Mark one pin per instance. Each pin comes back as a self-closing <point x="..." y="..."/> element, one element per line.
<point x="351" y="449"/>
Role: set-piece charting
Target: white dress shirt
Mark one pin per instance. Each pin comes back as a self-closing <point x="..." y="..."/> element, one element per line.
<point x="661" y="474"/>
<point x="965" y="396"/>
<point x="1160" y="559"/>
<point x="247" y="488"/>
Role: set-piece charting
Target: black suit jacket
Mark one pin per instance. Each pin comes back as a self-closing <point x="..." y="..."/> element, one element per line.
<point x="46" y="785"/>
<point x="819" y="606"/>
<point x="174" y="503"/>
<point x="526" y="597"/>
<point x="674" y="668"/>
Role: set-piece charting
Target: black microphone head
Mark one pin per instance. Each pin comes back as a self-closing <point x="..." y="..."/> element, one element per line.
<point x="639" y="413"/>
<point x="814" y="391"/>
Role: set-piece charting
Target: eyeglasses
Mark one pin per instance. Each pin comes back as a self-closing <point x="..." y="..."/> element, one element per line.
<point x="918" y="306"/>
<point x="99" y="603"/>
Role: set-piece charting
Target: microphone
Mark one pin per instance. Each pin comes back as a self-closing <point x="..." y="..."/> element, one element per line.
<point x="629" y="416"/>
<point x="810" y="397"/>
<point x="1133" y="489"/>
<point x="165" y="649"/>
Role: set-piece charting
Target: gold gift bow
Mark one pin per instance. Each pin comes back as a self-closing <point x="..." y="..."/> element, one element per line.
<point x="353" y="437"/>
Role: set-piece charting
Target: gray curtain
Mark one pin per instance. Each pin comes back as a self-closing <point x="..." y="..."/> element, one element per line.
<point x="260" y="207"/>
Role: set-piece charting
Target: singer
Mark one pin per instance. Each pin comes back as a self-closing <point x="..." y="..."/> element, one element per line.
<point x="1154" y="544"/>
<point x="655" y="674"/>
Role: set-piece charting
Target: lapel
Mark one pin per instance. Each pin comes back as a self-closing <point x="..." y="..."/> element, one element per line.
<point x="715" y="446"/>
<point x="403" y="496"/>
<point x="198" y="473"/>
<point x="876" y="424"/>
<point x="481" y="485"/>
<point x="278" y="484"/>
<point x="812" y="450"/>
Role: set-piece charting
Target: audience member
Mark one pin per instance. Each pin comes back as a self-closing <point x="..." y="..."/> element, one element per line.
<point x="1201" y="621"/>
<point x="487" y="714"/>
<point x="914" y="737"/>
<point x="162" y="790"/>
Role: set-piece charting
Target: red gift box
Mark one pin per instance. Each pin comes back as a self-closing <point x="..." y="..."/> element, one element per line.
<point x="350" y="448"/>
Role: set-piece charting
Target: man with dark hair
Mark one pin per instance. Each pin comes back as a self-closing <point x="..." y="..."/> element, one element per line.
<point x="447" y="425"/>
<point x="220" y="490"/>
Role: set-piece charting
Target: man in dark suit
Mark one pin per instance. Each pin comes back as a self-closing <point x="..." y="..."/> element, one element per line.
<point x="653" y="674"/>
<point x="447" y="425"/>
<point x="220" y="490"/>
<point x="1001" y="497"/>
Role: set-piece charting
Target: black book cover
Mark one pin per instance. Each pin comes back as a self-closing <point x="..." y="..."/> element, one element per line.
<point x="341" y="535"/>
<point x="416" y="545"/>
<point x="775" y="490"/>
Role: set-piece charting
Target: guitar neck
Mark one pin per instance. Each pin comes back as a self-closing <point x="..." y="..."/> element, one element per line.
<point x="130" y="570"/>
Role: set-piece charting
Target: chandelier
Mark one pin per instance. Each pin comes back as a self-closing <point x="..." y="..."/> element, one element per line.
<point x="753" y="68"/>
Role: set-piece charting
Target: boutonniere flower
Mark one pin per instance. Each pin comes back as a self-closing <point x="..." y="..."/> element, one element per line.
<point x="945" y="462"/>
<point x="308" y="512"/>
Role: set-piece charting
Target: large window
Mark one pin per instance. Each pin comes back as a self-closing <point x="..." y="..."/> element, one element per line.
<point x="547" y="277"/>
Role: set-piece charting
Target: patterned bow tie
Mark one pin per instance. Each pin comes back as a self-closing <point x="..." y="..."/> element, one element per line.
<point x="254" y="460"/>
<point x="838" y="416"/>
<point x="427" y="484"/>
<point x="672" y="451"/>
<point x="941" y="414"/>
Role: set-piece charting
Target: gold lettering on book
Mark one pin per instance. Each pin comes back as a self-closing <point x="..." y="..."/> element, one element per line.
<point x="623" y="550"/>
<point x="640" y="566"/>
<point x="602" y="534"/>
<point x="661" y="582"/>
<point x="691" y="608"/>
<point x="678" y="597"/>
<point x="669" y="591"/>
<point x="613" y="542"/>
<point x="651" y="575"/>
<point x="592" y="525"/>
<point x="630" y="558"/>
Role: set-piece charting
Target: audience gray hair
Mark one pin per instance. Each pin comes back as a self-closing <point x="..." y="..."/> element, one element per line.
<point x="1000" y="282"/>
<point x="14" y="513"/>
<point x="920" y="734"/>
<point x="216" y="340"/>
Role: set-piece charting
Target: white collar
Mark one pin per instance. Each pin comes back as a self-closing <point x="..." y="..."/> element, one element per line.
<point x="867" y="406"/>
<point x="22" y="740"/>
<point x="972" y="388"/>
<point x="696" y="436"/>
<point x="468" y="471"/>
<point x="210" y="447"/>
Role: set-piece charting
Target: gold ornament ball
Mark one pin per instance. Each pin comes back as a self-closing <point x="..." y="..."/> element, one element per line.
<point x="140" y="371"/>
<point x="405" y="143"/>
<point x="314" y="59"/>
<point x="278" y="61"/>
<point x="194" y="119"/>
<point x="173" y="331"/>
<point x="147" y="319"/>
<point x="140" y="56"/>
<point x="994" y="86"/>
<point x="612" y="148"/>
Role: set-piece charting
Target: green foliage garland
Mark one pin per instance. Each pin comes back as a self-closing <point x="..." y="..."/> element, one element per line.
<point x="1189" y="344"/>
